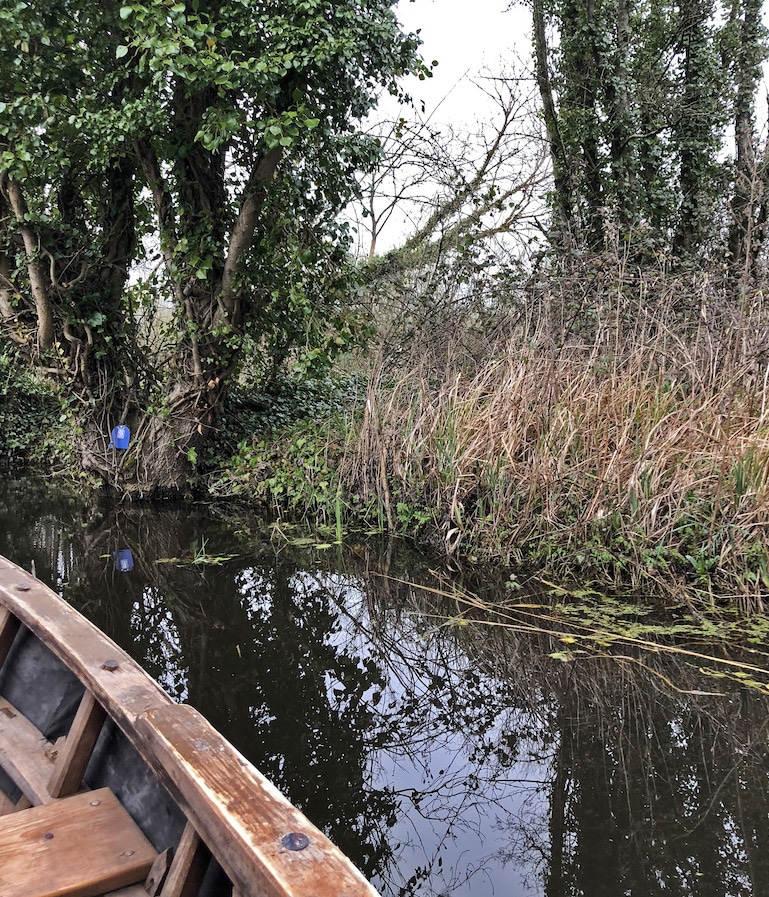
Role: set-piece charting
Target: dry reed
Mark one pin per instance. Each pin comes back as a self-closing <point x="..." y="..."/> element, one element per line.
<point x="618" y="440"/>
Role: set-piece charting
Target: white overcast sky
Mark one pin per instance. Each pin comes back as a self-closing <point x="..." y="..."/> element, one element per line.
<point x="465" y="37"/>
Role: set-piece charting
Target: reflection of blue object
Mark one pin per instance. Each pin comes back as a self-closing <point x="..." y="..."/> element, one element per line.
<point x="124" y="560"/>
<point x="121" y="436"/>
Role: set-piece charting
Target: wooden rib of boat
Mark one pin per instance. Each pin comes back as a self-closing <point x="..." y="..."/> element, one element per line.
<point x="108" y="787"/>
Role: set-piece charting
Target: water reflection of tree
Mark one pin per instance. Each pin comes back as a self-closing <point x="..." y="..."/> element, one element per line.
<point x="251" y="644"/>
<point x="652" y="789"/>
<point x="446" y="733"/>
<point x="650" y="786"/>
<point x="37" y="524"/>
<point x="387" y="728"/>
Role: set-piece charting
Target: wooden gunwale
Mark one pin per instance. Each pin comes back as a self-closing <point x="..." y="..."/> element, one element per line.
<point x="241" y="818"/>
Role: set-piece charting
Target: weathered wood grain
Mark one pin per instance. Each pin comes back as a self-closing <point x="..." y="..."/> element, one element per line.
<point x="25" y="755"/>
<point x="6" y="804"/>
<point x="188" y="866"/>
<point x="130" y="891"/>
<point x="73" y="757"/>
<point x="116" y="681"/>
<point x="9" y="626"/>
<point x="80" y="846"/>
<point x="158" y="873"/>
<point x="246" y="820"/>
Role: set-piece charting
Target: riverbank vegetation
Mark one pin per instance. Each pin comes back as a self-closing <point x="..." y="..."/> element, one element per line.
<point x="610" y="443"/>
<point x="559" y="361"/>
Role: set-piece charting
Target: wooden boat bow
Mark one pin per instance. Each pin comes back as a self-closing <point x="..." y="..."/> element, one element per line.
<point x="265" y="846"/>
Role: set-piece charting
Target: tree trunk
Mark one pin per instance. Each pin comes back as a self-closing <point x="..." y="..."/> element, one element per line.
<point x="698" y="133"/>
<point x="161" y="459"/>
<point x="620" y="127"/>
<point x="563" y="200"/>
<point x="37" y="280"/>
<point x="742" y="238"/>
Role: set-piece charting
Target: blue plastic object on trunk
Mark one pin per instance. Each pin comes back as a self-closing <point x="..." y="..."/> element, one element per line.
<point x="124" y="560"/>
<point x="121" y="436"/>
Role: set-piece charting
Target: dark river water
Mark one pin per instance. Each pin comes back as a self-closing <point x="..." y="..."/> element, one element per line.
<point x="443" y="759"/>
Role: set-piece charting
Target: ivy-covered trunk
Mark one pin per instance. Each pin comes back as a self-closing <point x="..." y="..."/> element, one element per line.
<point x="748" y="201"/>
<point x="636" y="100"/>
<point x="170" y="179"/>
<point x="698" y="131"/>
<point x="161" y="458"/>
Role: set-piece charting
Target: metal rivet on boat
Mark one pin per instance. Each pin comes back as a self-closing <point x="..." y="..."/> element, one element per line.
<point x="48" y="836"/>
<point x="295" y="841"/>
<point x="95" y="803"/>
<point x="23" y="587"/>
<point x="127" y="853"/>
<point x="110" y="665"/>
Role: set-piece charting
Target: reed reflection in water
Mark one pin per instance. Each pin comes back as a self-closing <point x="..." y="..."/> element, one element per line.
<point x="443" y="759"/>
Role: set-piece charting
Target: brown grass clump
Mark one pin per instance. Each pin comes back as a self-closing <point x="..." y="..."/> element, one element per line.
<point x="629" y="446"/>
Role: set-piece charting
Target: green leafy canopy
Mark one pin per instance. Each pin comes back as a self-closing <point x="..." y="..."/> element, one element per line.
<point x="217" y="139"/>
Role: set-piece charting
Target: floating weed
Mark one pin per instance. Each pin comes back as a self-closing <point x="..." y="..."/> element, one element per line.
<point x="608" y="627"/>
<point x="200" y="557"/>
<point x="740" y="677"/>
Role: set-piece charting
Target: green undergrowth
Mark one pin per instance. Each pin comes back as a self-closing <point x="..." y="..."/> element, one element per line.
<point x="293" y="471"/>
<point x="281" y="449"/>
<point x="36" y="426"/>
<point x="275" y="409"/>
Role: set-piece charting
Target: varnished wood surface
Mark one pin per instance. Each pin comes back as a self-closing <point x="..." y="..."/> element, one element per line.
<point x="81" y="846"/>
<point x="241" y="817"/>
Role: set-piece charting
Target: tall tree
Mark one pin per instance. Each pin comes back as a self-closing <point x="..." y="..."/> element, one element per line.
<point x="636" y="100"/>
<point x="221" y="136"/>
<point x="698" y="128"/>
<point x="748" y="50"/>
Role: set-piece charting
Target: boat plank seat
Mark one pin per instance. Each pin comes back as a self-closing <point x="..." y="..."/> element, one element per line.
<point x="80" y="846"/>
<point x="25" y="755"/>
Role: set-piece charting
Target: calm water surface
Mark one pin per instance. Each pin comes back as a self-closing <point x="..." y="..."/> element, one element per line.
<point x="443" y="759"/>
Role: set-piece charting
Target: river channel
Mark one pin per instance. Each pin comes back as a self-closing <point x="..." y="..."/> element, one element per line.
<point x="445" y="757"/>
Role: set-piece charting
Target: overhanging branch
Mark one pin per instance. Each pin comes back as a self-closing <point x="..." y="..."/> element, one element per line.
<point x="243" y="232"/>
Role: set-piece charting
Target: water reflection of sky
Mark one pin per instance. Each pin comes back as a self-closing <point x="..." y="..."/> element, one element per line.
<point x="445" y="761"/>
<point x="458" y="816"/>
<point x="453" y="832"/>
<point x="152" y="621"/>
